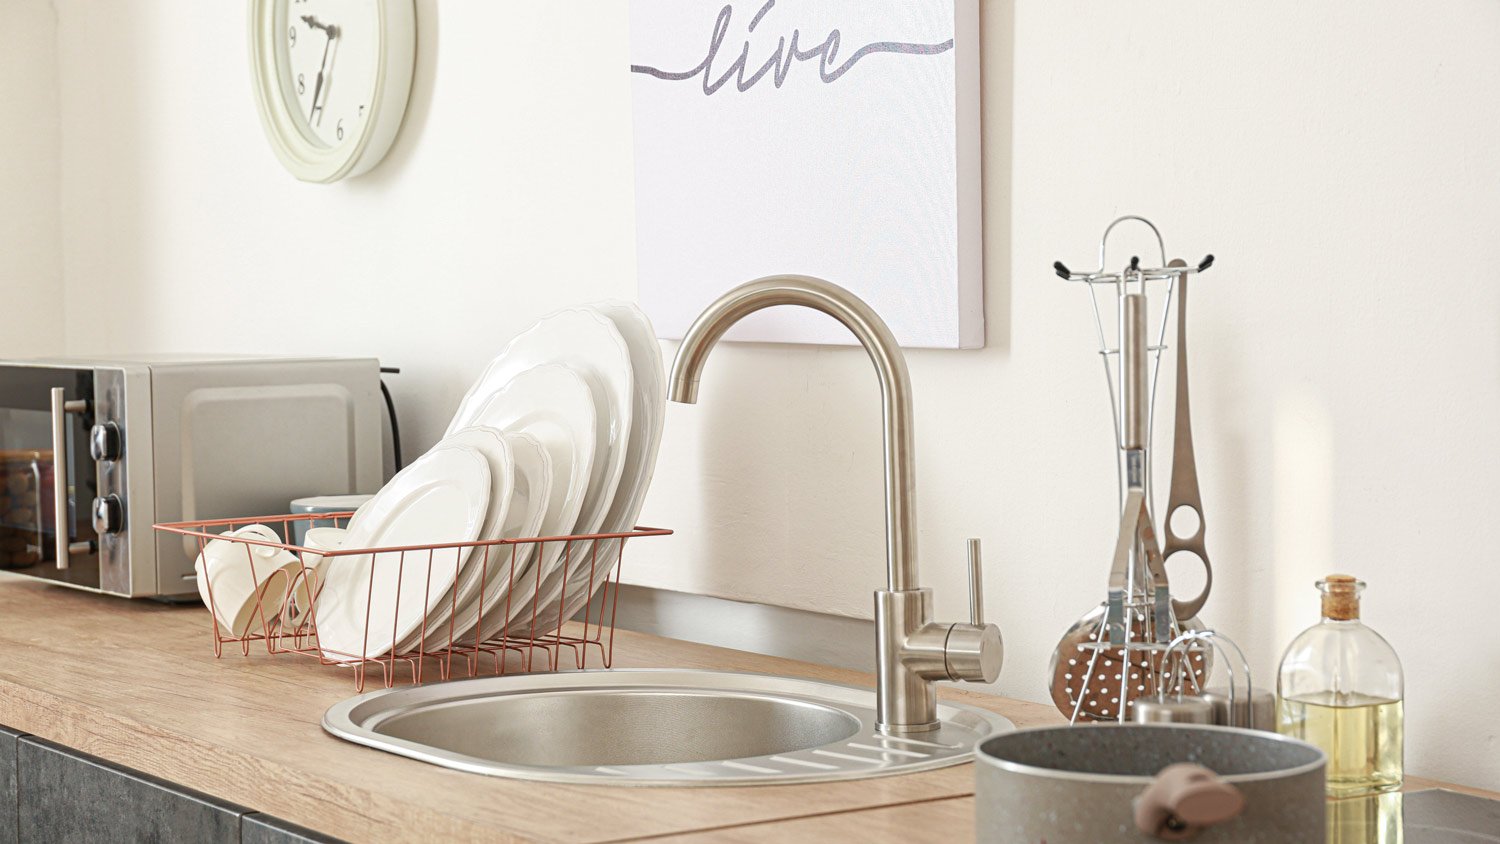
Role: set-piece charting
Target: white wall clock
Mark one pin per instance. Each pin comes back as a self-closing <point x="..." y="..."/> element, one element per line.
<point x="332" y="78"/>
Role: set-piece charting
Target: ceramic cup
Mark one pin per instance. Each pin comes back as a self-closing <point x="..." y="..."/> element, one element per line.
<point x="321" y="539"/>
<point x="309" y="574"/>
<point x="243" y="578"/>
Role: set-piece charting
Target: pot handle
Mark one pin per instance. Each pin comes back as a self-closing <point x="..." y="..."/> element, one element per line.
<point x="1183" y="800"/>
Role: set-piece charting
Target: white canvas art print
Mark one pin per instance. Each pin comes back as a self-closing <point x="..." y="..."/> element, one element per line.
<point x="832" y="138"/>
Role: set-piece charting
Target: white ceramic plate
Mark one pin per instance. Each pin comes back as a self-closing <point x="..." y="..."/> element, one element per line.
<point x="587" y="342"/>
<point x="530" y="497"/>
<point x="491" y="443"/>
<point x="442" y="497"/>
<point x="647" y="414"/>
<point x="553" y="404"/>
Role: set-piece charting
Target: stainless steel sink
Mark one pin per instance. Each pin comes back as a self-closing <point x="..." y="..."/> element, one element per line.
<point x="654" y="727"/>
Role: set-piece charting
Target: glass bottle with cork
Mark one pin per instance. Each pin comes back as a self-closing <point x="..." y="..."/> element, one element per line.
<point x="1340" y="688"/>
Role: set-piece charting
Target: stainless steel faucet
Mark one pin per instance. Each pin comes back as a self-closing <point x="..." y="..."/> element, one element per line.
<point x="911" y="650"/>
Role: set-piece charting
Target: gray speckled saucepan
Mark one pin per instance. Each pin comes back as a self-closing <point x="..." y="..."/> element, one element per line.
<point x="1082" y="785"/>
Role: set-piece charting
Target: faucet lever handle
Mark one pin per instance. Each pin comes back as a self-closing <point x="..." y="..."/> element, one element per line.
<point x="976" y="585"/>
<point x="973" y="652"/>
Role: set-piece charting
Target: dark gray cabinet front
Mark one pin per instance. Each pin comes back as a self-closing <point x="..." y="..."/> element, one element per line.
<point x="67" y="797"/>
<point x="256" y="828"/>
<point x="9" y="822"/>
<point x="51" y="794"/>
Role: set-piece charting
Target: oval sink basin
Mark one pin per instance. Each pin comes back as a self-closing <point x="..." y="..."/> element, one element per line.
<point x="654" y="727"/>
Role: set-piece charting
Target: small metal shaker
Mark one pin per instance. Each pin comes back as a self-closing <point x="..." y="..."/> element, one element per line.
<point x="1183" y="710"/>
<point x="1253" y="708"/>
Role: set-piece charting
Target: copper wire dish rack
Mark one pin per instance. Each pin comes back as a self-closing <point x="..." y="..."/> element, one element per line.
<point x="440" y="648"/>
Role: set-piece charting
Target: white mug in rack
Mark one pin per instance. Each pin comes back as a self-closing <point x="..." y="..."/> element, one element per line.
<point x="321" y="539"/>
<point x="244" y="577"/>
<point x="315" y="540"/>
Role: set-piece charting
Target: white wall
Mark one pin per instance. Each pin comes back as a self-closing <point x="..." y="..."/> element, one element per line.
<point x="1340" y="159"/>
<point x="31" y="297"/>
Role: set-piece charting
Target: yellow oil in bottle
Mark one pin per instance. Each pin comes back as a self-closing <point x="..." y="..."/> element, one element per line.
<point x="1369" y="819"/>
<point x="1362" y="736"/>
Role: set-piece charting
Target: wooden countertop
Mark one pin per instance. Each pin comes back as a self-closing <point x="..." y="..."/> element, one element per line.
<point x="136" y="683"/>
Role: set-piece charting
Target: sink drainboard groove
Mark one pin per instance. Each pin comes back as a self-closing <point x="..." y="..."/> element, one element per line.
<point x="821" y="752"/>
<point x="910" y="754"/>
<point x="806" y="763"/>
<point x="920" y="742"/>
<point x="685" y="769"/>
<point x="754" y="769"/>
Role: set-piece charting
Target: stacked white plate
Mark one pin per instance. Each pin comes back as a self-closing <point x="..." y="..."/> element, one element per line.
<point x="557" y="437"/>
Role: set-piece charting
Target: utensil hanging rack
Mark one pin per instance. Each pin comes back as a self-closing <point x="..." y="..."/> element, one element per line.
<point x="1138" y="630"/>
<point x="1132" y="274"/>
<point x="441" y="651"/>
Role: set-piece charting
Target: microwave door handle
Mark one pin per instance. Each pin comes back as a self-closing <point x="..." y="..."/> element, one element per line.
<point x="61" y="407"/>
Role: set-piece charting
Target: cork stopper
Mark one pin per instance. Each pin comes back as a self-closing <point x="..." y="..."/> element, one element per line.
<point x="1340" y="597"/>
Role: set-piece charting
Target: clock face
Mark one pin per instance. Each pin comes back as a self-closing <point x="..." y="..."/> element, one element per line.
<point x="328" y="61"/>
<point x="331" y="80"/>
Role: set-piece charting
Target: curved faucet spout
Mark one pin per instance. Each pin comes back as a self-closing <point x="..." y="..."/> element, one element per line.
<point x="890" y="365"/>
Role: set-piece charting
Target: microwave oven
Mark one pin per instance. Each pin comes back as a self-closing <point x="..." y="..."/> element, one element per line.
<point x="94" y="452"/>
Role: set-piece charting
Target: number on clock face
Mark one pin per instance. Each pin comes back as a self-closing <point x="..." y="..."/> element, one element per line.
<point x="328" y="65"/>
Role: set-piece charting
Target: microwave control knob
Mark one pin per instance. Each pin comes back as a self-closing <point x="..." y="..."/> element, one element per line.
<point x="104" y="442"/>
<point x="109" y="514"/>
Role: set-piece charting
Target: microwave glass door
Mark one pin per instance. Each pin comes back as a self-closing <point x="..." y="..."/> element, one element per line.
<point x="29" y="472"/>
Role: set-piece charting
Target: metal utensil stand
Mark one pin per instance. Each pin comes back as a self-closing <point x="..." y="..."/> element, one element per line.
<point x="528" y="624"/>
<point x="1140" y="624"/>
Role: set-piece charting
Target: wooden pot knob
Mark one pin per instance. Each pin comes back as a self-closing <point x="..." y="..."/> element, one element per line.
<point x="1183" y="800"/>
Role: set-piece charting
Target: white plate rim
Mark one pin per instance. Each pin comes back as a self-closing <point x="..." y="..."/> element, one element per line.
<point x="563" y="337"/>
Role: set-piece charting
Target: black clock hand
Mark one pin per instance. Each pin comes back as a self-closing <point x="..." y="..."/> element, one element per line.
<point x="326" y="76"/>
<point x="316" y="110"/>
<point x="328" y="29"/>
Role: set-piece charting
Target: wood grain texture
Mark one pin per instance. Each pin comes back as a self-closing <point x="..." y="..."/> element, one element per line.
<point x="945" y="820"/>
<point x="136" y="684"/>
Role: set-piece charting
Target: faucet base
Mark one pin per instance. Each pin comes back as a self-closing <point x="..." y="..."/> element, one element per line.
<point x="905" y="698"/>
